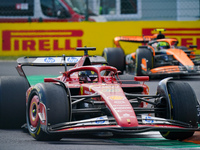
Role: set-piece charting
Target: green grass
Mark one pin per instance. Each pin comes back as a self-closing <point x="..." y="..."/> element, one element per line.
<point x="33" y="80"/>
<point x="160" y="143"/>
<point x="9" y="57"/>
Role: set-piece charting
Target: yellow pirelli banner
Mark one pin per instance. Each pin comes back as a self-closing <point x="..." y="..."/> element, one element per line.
<point x="54" y="39"/>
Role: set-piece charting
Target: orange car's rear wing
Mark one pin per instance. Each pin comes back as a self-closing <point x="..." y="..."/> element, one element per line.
<point x="140" y="39"/>
<point x="137" y="39"/>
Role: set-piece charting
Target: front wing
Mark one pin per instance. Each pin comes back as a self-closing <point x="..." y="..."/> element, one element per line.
<point x="173" y="70"/>
<point x="105" y="124"/>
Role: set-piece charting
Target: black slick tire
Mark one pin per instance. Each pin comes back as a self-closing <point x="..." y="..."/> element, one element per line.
<point x="183" y="108"/>
<point x="143" y="53"/>
<point x="56" y="101"/>
<point x="12" y="101"/>
<point x="115" y="57"/>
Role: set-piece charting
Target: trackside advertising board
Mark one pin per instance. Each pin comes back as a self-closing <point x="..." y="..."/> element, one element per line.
<point x="54" y="39"/>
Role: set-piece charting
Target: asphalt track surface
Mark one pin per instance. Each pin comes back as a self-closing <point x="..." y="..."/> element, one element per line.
<point x="19" y="139"/>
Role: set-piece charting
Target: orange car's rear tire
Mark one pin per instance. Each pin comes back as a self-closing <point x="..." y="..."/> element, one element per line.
<point x="115" y="57"/>
<point x="146" y="55"/>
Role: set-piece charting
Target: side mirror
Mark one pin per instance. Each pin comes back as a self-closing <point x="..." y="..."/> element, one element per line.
<point x="62" y="14"/>
<point x="176" y="43"/>
<point x="141" y="78"/>
<point x="193" y="46"/>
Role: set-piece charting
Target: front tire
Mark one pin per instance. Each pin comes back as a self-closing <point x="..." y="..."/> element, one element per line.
<point x="57" y="104"/>
<point x="183" y="108"/>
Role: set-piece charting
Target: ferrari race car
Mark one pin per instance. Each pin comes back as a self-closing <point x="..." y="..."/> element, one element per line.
<point x="91" y="97"/>
<point x="159" y="57"/>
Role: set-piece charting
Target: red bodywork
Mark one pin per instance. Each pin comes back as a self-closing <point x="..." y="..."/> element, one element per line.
<point x="109" y="90"/>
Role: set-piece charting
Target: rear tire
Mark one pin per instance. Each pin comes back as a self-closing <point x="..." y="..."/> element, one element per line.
<point x="115" y="57"/>
<point x="56" y="101"/>
<point x="143" y="53"/>
<point x="12" y="101"/>
<point x="184" y="102"/>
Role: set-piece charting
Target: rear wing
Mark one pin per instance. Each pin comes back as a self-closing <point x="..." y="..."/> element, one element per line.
<point x="60" y="61"/>
<point x="54" y="61"/>
<point x="136" y="39"/>
<point x="57" y="61"/>
<point x="139" y="39"/>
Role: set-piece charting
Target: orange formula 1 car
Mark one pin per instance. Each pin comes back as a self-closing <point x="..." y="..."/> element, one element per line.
<point x="159" y="57"/>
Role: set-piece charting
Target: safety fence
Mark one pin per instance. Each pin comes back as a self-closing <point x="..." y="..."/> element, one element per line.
<point x="98" y="10"/>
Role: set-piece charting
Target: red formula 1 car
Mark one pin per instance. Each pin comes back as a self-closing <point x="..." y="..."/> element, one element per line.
<point x="159" y="57"/>
<point x="92" y="97"/>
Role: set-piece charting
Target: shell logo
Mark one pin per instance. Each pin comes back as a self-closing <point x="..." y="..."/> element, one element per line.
<point x="116" y="97"/>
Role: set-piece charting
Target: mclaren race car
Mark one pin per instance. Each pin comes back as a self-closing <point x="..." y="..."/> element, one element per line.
<point x="159" y="56"/>
<point x="91" y="97"/>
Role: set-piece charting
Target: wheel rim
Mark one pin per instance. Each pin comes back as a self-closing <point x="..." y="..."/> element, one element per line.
<point x="33" y="113"/>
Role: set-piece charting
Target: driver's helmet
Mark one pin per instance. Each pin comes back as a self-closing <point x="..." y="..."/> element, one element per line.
<point x="83" y="77"/>
<point x="162" y="45"/>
